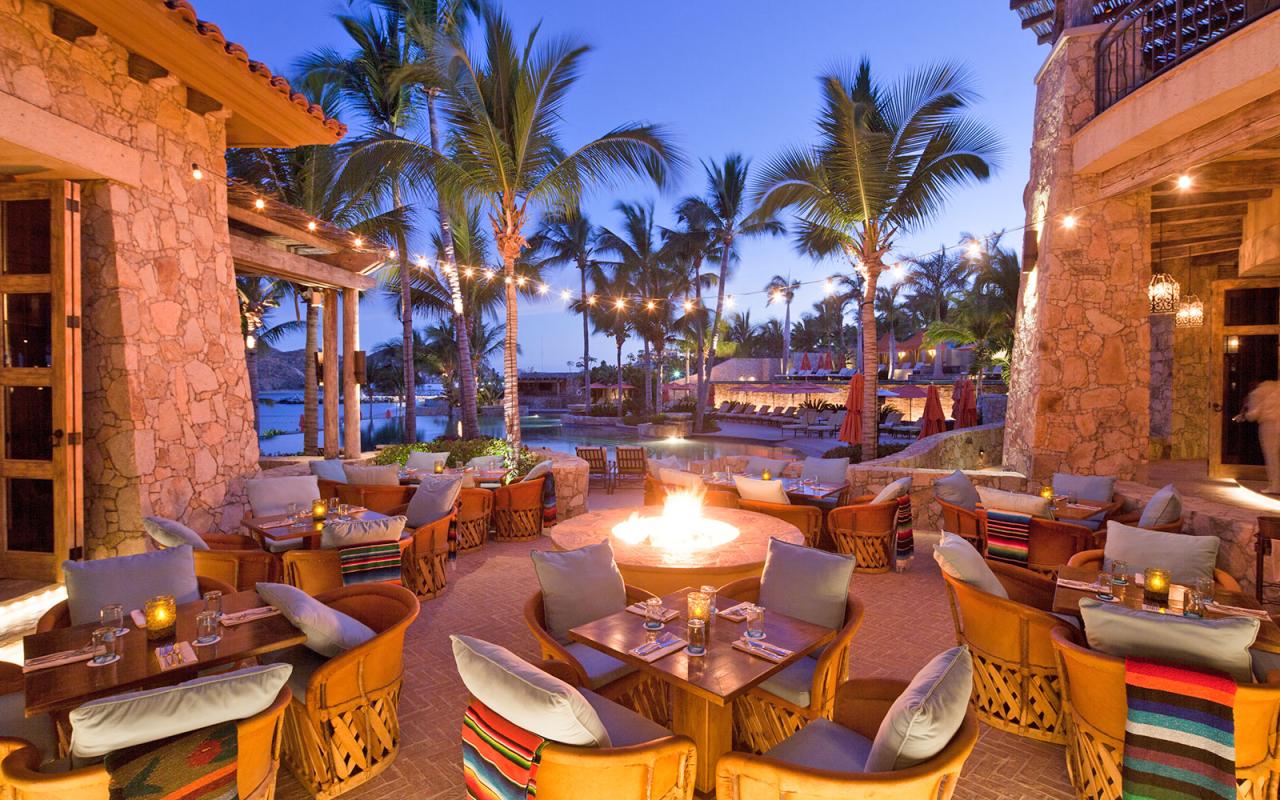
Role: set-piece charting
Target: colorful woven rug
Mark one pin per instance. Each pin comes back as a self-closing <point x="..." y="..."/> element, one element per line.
<point x="905" y="536"/>
<point x="367" y="563"/>
<point x="499" y="760"/>
<point x="548" y="500"/>
<point x="1008" y="536"/>
<point x="1179" y="736"/>
<point x="200" y="765"/>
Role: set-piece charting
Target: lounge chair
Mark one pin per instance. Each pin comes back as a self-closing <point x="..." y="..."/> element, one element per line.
<point x="745" y="413"/>
<point x="847" y="372"/>
<point x="632" y="464"/>
<point x="890" y="419"/>
<point x="761" y="413"/>
<point x="722" y="409"/>
<point x="598" y="466"/>
<point x="822" y="425"/>
<point x="802" y="420"/>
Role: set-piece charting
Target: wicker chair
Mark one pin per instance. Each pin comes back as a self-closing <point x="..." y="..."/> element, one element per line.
<point x="598" y="466"/>
<point x="866" y="531"/>
<point x="1093" y="560"/>
<point x="860" y="705"/>
<point x="968" y="525"/>
<point x="328" y="488"/>
<point x="632" y="464"/>
<point x="1015" y="680"/>
<point x="638" y="691"/>
<point x="1051" y="543"/>
<point x="761" y="719"/>
<point x="475" y="515"/>
<point x="234" y="559"/>
<point x="721" y="498"/>
<point x="807" y="518"/>
<point x="423" y="558"/>
<point x="375" y="497"/>
<point x="59" y="615"/>
<point x="1095" y="709"/>
<point x="517" y="511"/>
<point x="345" y="729"/>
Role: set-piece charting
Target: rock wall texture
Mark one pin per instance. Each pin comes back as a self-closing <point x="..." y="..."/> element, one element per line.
<point x="168" y="421"/>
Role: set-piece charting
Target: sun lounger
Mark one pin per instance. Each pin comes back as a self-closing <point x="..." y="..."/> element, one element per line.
<point x="891" y="419"/>
<point x="847" y="372"/>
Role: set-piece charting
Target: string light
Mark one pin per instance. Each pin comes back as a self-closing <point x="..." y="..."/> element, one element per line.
<point x="973" y="250"/>
<point x="468" y="272"/>
<point x="488" y="274"/>
<point x="311" y="226"/>
<point x="259" y="203"/>
<point x="591" y="301"/>
<point x="1184" y="182"/>
<point x="1069" y="221"/>
<point x="422" y="262"/>
<point x="651" y="305"/>
<point x="775" y="296"/>
<point x="520" y="281"/>
<point x="828" y="287"/>
<point x="391" y="253"/>
<point x="621" y="302"/>
<point x="197" y="174"/>
<point x="688" y="305"/>
<point x="728" y="301"/>
<point x="358" y="242"/>
<point x="565" y="295"/>
<point x="543" y="289"/>
<point x="506" y="279"/>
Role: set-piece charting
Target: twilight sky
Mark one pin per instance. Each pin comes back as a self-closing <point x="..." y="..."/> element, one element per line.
<point x="725" y="76"/>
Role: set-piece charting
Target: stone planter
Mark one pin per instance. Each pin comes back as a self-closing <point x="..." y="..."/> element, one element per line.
<point x="665" y="430"/>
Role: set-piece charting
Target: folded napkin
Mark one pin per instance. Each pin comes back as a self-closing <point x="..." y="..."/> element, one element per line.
<point x="1082" y="586"/>
<point x="280" y="523"/>
<point x="668" y="643"/>
<point x="58" y="659"/>
<point x="139" y="619"/>
<point x="176" y="655"/>
<point x="769" y="652"/>
<point x="736" y="613"/>
<point x="1237" y="611"/>
<point x="248" y="615"/>
<point x="668" y="614"/>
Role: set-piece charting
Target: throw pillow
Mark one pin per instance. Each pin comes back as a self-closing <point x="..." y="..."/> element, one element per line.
<point x="826" y="470"/>
<point x="434" y="499"/>
<point x="899" y="488"/>
<point x="921" y="722"/>
<point x="329" y="469"/>
<point x="171" y="533"/>
<point x="269" y="497"/>
<point x="578" y="586"/>
<point x="361" y="531"/>
<point x="962" y="561"/>
<point x="1099" y="488"/>
<point x="1164" y="507"/>
<point x="1031" y="504"/>
<point x="1210" y="644"/>
<point x="957" y="490"/>
<point x="329" y="631"/>
<point x="388" y="475"/>
<point x="756" y="465"/>
<point x="1187" y="557"/>
<point x="425" y="461"/>
<point x="539" y="469"/>
<point x="129" y="581"/>
<point x="808" y="584"/>
<point x="761" y="491"/>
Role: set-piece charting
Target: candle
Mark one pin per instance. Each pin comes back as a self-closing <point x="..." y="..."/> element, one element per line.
<point x="1047" y="492"/>
<point x="161" y="613"/>
<point x="766" y="475"/>
<point x="439" y="467"/>
<point x="699" y="606"/>
<point x="1155" y="586"/>
<point x="319" y="509"/>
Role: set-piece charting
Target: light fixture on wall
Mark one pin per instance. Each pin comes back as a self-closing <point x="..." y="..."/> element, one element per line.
<point x="1163" y="293"/>
<point x="1190" y="313"/>
<point x="1233" y="344"/>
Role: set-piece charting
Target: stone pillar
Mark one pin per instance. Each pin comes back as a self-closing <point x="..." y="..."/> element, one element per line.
<point x="332" y="390"/>
<point x="1078" y="398"/>
<point x="350" y="389"/>
<point x="1161" y="390"/>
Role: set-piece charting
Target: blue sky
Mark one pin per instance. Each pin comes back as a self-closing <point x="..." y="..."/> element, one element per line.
<point x="724" y="76"/>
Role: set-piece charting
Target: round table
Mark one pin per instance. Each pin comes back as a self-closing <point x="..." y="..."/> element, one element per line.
<point x="662" y="572"/>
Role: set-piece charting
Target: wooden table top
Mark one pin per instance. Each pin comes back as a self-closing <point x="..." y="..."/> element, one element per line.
<point x="720" y="675"/>
<point x="792" y="486"/>
<point x="1081" y="509"/>
<point x="71" y="685"/>
<point x="1067" y="601"/>
<point x="267" y="528"/>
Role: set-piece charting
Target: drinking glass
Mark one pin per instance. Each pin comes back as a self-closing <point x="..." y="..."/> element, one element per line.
<point x="1205" y="587"/>
<point x="207" y="628"/>
<point x="332" y="502"/>
<point x="697" y="637"/>
<point x="1105" y="586"/>
<point x="213" y="602"/>
<point x="755" y="622"/>
<point x="1120" y="573"/>
<point x="710" y="592"/>
<point x="653" y="613"/>
<point x="294" y="510"/>
<point x="112" y="616"/>
<point x="104" y="646"/>
<point x="344" y="510"/>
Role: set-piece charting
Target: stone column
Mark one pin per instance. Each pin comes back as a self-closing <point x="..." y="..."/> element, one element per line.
<point x="350" y="389"/>
<point x="1078" y="398"/>
<point x="332" y="391"/>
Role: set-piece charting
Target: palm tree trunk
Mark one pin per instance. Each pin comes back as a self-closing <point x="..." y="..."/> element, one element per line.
<point x="466" y="368"/>
<point x="510" y="360"/>
<point x="648" y="377"/>
<point x="586" y="336"/>
<point x="619" y="397"/>
<point x="702" y="355"/>
<point x="871" y="377"/>
<point x="251" y="364"/>
<point x="786" y="337"/>
<point x="409" y="375"/>
<point x="311" y="385"/>
<point x="715" y="326"/>
<point x="940" y="352"/>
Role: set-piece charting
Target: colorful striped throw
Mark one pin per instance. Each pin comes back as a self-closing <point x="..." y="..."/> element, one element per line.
<point x="200" y="765"/>
<point x="1179" y="736"/>
<point x="499" y="760"/>
<point x="1008" y="536"/>
<point x="905" y="536"/>
<point x="548" y="500"/>
<point x="367" y="563"/>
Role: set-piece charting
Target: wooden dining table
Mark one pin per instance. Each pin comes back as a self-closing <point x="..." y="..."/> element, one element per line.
<point x="279" y="528"/>
<point x="704" y="687"/>
<point x="795" y="488"/>
<point x="1076" y="510"/>
<point x="67" y="686"/>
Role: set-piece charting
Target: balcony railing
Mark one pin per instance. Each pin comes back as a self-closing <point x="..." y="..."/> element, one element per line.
<point x="1151" y="36"/>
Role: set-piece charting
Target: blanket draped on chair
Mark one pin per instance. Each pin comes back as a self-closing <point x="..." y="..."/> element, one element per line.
<point x="548" y="500"/>
<point x="499" y="760"/>
<point x="904" y="536"/>
<point x="1008" y="536"/>
<point x="200" y="765"/>
<point x="367" y="563"/>
<point x="1179" y="735"/>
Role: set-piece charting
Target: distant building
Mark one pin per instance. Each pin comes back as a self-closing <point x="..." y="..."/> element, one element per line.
<point x="550" y="389"/>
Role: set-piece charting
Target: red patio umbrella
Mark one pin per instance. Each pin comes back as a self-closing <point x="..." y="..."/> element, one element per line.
<point x="851" y="429"/>
<point x="825" y="363"/>
<point x="839" y="361"/>
<point x="933" y="421"/>
<point x="804" y="363"/>
<point x="966" y="413"/>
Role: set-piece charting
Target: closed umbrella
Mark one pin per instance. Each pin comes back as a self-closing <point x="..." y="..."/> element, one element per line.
<point x="840" y="361"/>
<point x="805" y="364"/>
<point x="851" y="429"/>
<point x="966" y="414"/>
<point x="933" y="421"/>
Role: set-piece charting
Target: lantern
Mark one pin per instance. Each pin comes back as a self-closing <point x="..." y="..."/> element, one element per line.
<point x="1190" y="313"/>
<point x="1163" y="292"/>
<point x="161" y="614"/>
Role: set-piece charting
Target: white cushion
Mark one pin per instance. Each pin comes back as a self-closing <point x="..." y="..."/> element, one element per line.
<point x="171" y="533"/>
<point x="271" y="496"/>
<point x="924" y="718"/>
<point x="361" y="531"/>
<point x="1210" y="644"/>
<point x="434" y="499"/>
<point x="826" y="470"/>
<point x="578" y="586"/>
<point x="761" y="491"/>
<point x="624" y="726"/>
<point x="486" y="462"/>
<point x="129" y="581"/>
<point x="795" y="683"/>
<point x="676" y="477"/>
<point x="899" y="488"/>
<point x="957" y="490"/>
<point x="962" y="561"/>
<point x="1186" y="557"/>
<point x="539" y="469"/>
<point x="425" y="461"/>
<point x="329" y="469"/>
<point x="1165" y="506"/>
<point x="1018" y="502"/>
<point x="329" y="631"/>
<point x="656" y="464"/>
<point x="825" y="745"/>
<point x="384" y="475"/>
<point x="526" y="696"/>
<point x="1099" y="488"/>
<point x="114" y="723"/>
<point x="756" y="465"/>
<point x="37" y="730"/>
<point x="602" y="669"/>
<point x="808" y="584"/>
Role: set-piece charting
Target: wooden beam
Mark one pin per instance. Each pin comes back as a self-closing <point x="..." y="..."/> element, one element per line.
<point x="68" y="26"/>
<point x="1204" y="249"/>
<point x="1192" y="231"/>
<point x="332" y="389"/>
<point x="1192" y="241"/>
<point x="200" y="103"/>
<point x="145" y="70"/>
<point x="1227" y="176"/>
<point x="263" y="221"/>
<point x="350" y="389"/>
<point x="1206" y="199"/>
<point x="251" y="255"/>
<point x="1034" y="20"/>
<point x="1178" y="216"/>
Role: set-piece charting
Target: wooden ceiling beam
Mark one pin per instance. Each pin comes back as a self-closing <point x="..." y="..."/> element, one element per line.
<point x="1206" y="199"/>
<point x="1036" y="19"/>
<point x="1180" y="216"/>
<point x="1226" y="176"/>
<point x="1198" y="230"/>
<point x="1200" y="249"/>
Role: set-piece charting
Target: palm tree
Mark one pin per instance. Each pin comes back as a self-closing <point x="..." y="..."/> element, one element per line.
<point x="741" y="331"/>
<point x="723" y="213"/>
<point x="258" y="297"/>
<point x="311" y="381"/>
<point x="893" y="318"/>
<point x="569" y="238"/>
<point x="783" y="290"/>
<point x="637" y="262"/>
<point x="608" y="317"/>
<point x="886" y="159"/>
<point x="935" y="282"/>
<point x="688" y="246"/>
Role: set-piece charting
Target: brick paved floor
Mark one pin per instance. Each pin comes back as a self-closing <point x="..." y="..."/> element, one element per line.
<point x="907" y="623"/>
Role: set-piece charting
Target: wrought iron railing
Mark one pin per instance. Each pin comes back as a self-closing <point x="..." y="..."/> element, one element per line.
<point x="1151" y="36"/>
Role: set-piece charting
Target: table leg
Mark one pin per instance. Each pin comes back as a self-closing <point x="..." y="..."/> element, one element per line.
<point x="710" y="726"/>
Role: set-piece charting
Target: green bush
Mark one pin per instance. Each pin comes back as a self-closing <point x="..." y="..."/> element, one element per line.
<point x="687" y="404"/>
<point x="636" y="419"/>
<point x="603" y="410"/>
<point x="460" y="452"/>
<point x="271" y="433"/>
<point x="819" y="405"/>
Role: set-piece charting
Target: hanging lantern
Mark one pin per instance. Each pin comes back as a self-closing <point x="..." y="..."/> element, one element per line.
<point x="1163" y="293"/>
<point x="1190" y="313"/>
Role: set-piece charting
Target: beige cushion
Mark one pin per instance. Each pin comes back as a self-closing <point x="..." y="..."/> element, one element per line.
<point x="921" y="722"/>
<point x="1031" y="504"/>
<point x="676" y="477"/>
<point x="1186" y="557"/>
<point x="899" y="488"/>
<point x="113" y="723"/>
<point x="578" y="586"/>
<point x="761" y="491"/>
<point x="624" y="726"/>
<point x="756" y="465"/>
<point x="825" y="745"/>
<point x="795" y="683"/>
<point x="271" y="496"/>
<point x="602" y="669"/>
<point x="656" y="465"/>
<point x="361" y="531"/>
<point x="809" y="584"/>
<point x="826" y="470"/>
<point x="962" y="561"/>
<point x="957" y="490"/>
<point x="434" y="499"/>
<point x="486" y="462"/>
<point x="1210" y="644"/>
<point x="171" y="533"/>
<point x="330" y="469"/>
<point x="129" y="581"/>
<point x="425" y="461"/>
<point x="388" y="475"/>
<point x="329" y="631"/>
<point x="539" y="469"/>
<point x="1165" y="506"/>
<point x="525" y="695"/>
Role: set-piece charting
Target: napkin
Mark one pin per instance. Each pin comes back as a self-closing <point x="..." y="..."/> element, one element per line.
<point x="736" y="613"/>
<point x="139" y="619"/>
<point x="58" y="659"/>
<point x="769" y="652"/>
<point x="280" y="523"/>
<point x="181" y="655"/>
<point x="673" y="643"/>
<point x="1237" y="611"/>
<point x="1082" y="586"/>
<point x="668" y="614"/>
<point x="248" y="615"/>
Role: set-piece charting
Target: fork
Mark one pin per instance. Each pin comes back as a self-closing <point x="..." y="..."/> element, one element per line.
<point x="47" y="657"/>
<point x="662" y="641"/>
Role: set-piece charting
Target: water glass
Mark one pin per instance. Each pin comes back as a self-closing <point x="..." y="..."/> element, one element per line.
<point x="104" y="646"/>
<point x="213" y="602"/>
<point x="697" y="636"/>
<point x="1105" y="584"/>
<point x="1120" y="573"/>
<point x="294" y="510"/>
<point x="207" y="628"/>
<point x="710" y="592"/>
<point x="112" y="616"/>
<point x="653" y="613"/>
<point x="332" y="502"/>
<point x="755" y="622"/>
<point x="1205" y="587"/>
<point x="344" y="510"/>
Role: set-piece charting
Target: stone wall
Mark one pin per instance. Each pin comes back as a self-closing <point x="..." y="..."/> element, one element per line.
<point x="168" y="421"/>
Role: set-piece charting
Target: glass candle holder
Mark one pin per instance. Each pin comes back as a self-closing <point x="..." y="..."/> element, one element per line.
<point x="697" y="635"/>
<point x="710" y="592"/>
<point x="699" y="606"/>
<point x="1155" y="586"/>
<point x="161" y="614"/>
<point x="439" y="467"/>
<point x="1046" y="492"/>
<point x="653" y="613"/>
<point x="319" y="509"/>
<point x="766" y="475"/>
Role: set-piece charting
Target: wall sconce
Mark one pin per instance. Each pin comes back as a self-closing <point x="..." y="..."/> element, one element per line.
<point x="933" y="352"/>
<point x="1233" y="344"/>
<point x="250" y="341"/>
<point x="1163" y="293"/>
<point x="1190" y="313"/>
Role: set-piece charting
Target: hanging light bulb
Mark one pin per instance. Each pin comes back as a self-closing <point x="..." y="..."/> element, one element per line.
<point x="259" y="203"/>
<point x="506" y="279"/>
<point x="591" y="301"/>
<point x="1184" y="182"/>
<point x="197" y="174"/>
<point x="620" y="303"/>
<point x="391" y="253"/>
<point x="1069" y="221"/>
<point x="311" y="226"/>
<point x="543" y="289"/>
<point x="728" y="301"/>
<point x="828" y="287"/>
<point x="1163" y="293"/>
<point x="358" y="242"/>
<point x="1190" y="313"/>
<point x="489" y="274"/>
<point x="688" y="305"/>
<point x="520" y="281"/>
<point x="421" y="261"/>
<point x="973" y="250"/>
<point x="564" y="295"/>
<point x="650" y="305"/>
<point x="468" y="272"/>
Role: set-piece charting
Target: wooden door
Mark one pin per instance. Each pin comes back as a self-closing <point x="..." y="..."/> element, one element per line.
<point x="1244" y="350"/>
<point x="41" y="435"/>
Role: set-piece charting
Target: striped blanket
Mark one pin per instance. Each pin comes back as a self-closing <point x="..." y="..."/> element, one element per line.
<point x="1179" y="736"/>
<point x="904" y="534"/>
<point x="200" y="765"/>
<point x="1008" y="536"/>
<point x="548" y="500"/>
<point x="499" y="760"/>
<point x="368" y="563"/>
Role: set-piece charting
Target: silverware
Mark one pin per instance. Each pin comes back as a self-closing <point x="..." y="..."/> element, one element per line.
<point x="764" y="647"/>
<point x="47" y="657"/>
<point x="665" y="640"/>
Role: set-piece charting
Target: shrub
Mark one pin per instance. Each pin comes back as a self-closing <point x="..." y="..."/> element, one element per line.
<point x="460" y="450"/>
<point x="686" y="405"/>
<point x="819" y="405"/>
<point x="636" y="419"/>
<point x="603" y="410"/>
<point x="271" y="433"/>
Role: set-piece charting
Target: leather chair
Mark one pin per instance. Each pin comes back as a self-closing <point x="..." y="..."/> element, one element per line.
<point x="475" y="516"/>
<point x="424" y="554"/>
<point x="1093" y="559"/>
<point x="964" y="523"/>
<point x="234" y="559"/>
<point x="1050" y="543"/>
<point x="375" y="497"/>
<point x="517" y="511"/>
<point x="860" y="706"/>
<point x="1095" y="708"/>
<point x="762" y="719"/>
<point x="59" y="615"/>
<point x="807" y="518"/>
<point x="866" y="531"/>
<point x="1015" y="679"/>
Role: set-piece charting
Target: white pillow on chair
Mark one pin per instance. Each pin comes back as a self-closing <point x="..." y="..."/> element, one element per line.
<point x="171" y="533"/>
<point x="578" y="586"/>
<point x="383" y="475"/>
<point x="761" y="491"/>
<point x="1187" y="557"/>
<point x="1164" y="507"/>
<point x="361" y="531"/>
<point x="925" y="717"/>
<point x="1210" y="644"/>
<point x="1017" y="502"/>
<point x="895" y="489"/>
<point x="129" y="581"/>
<point x="539" y="469"/>
<point x="678" y="477"/>
<point x="962" y="561"/>
<point x="425" y="461"/>
<point x="330" y="469"/>
<point x="833" y="471"/>
<point x="269" y="497"/>
<point x="329" y="631"/>
<point x="433" y="499"/>
<point x="806" y="583"/>
<point x="756" y="465"/>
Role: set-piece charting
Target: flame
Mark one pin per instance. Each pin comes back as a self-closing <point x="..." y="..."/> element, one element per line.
<point x="681" y="528"/>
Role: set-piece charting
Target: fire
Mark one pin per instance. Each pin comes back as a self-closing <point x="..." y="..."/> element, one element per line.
<point x="681" y="528"/>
